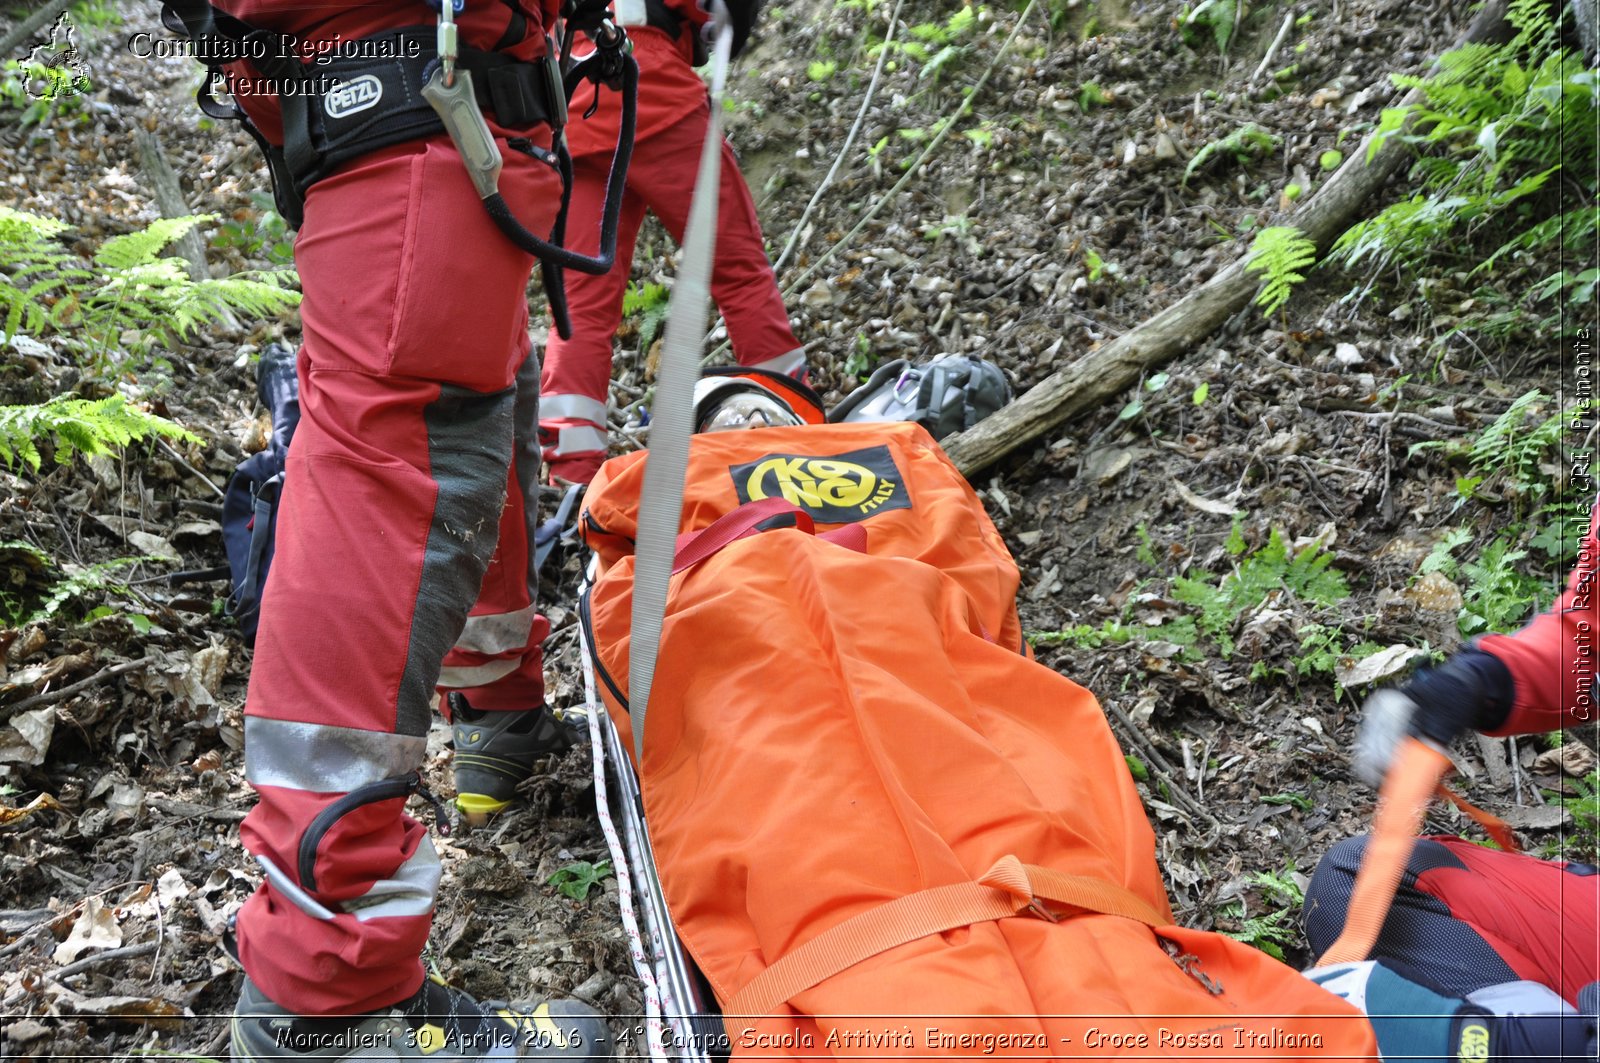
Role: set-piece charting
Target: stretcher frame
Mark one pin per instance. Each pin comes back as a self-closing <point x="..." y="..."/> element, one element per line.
<point x="681" y="1021"/>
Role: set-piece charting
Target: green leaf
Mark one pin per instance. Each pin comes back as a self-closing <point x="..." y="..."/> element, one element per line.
<point x="1279" y="253"/>
<point x="1137" y="769"/>
<point x="821" y="70"/>
<point x="575" y="879"/>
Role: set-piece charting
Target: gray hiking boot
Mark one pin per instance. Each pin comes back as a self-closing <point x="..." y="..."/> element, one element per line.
<point x="439" y="1024"/>
<point x="496" y="750"/>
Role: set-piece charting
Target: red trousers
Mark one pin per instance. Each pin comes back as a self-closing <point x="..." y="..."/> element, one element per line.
<point x="577" y="372"/>
<point x="1466" y="917"/>
<point x="416" y="449"/>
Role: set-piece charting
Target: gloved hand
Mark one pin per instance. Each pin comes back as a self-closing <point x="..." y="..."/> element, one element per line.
<point x="1473" y="689"/>
<point x="1411" y="1021"/>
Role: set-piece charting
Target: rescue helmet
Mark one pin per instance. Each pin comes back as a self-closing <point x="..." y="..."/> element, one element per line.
<point x="735" y="397"/>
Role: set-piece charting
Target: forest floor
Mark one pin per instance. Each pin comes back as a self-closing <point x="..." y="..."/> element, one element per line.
<point x="1075" y="200"/>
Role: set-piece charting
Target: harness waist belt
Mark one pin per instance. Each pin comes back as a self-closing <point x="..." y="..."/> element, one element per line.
<point x="370" y="99"/>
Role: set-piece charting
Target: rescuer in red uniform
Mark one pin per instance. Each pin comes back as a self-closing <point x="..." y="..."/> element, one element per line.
<point x="673" y="114"/>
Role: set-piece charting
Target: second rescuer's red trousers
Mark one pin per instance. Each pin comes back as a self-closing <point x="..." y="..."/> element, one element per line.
<point x="661" y="178"/>
<point x="416" y="448"/>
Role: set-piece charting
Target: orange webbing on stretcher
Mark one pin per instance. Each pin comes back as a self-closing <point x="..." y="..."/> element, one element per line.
<point x="1415" y="775"/>
<point x="1009" y="888"/>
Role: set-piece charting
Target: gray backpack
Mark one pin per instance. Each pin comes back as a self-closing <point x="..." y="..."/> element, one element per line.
<point x="947" y="395"/>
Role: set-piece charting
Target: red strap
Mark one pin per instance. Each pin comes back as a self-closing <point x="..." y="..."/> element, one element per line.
<point x="849" y="536"/>
<point x="1496" y="827"/>
<point x="694" y="547"/>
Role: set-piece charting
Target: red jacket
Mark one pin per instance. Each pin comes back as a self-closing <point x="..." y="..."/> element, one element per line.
<point x="482" y="24"/>
<point x="1552" y="660"/>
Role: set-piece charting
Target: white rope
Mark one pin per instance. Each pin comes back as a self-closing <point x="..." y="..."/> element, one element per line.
<point x="642" y="966"/>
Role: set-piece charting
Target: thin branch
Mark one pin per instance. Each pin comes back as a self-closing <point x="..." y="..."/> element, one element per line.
<point x="126" y="952"/>
<point x="8" y="711"/>
<point x="946" y="125"/>
<point x="1157" y="765"/>
<point x="32" y="24"/>
<point x="1272" y="49"/>
<point x="196" y="473"/>
<point x="849" y="140"/>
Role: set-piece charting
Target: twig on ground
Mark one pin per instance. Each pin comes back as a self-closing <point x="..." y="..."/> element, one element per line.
<point x="1157" y="765"/>
<point x="1272" y="49"/>
<point x="196" y="473"/>
<point x="126" y="952"/>
<point x="946" y="124"/>
<point x="32" y="24"/>
<point x="849" y="140"/>
<point x="24" y="938"/>
<point x="8" y="711"/>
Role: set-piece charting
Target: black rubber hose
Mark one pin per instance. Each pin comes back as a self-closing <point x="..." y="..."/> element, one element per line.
<point x="552" y="254"/>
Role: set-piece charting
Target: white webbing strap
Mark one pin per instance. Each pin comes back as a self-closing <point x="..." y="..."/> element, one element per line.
<point x="672" y="412"/>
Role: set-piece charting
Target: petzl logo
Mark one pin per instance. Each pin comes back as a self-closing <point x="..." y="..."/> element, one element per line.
<point x="835" y="489"/>
<point x="353" y="96"/>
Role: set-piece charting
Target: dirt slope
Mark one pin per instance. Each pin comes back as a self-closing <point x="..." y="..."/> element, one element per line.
<point x="1075" y="200"/>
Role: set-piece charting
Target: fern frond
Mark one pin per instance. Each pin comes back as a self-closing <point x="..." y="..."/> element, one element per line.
<point x="1279" y="253"/>
<point x="77" y="426"/>
<point x="141" y="248"/>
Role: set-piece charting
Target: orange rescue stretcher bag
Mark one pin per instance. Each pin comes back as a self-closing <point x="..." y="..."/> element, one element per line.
<point x="881" y="827"/>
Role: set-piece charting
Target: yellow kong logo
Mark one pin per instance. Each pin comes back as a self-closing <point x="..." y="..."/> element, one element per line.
<point x="1474" y="1046"/>
<point x="834" y="489"/>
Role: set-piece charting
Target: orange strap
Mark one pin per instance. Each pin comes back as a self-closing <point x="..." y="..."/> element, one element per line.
<point x="1493" y="825"/>
<point x="1008" y="888"/>
<point x="1415" y="775"/>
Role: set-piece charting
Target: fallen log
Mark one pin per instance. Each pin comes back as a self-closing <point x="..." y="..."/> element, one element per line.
<point x="1101" y="374"/>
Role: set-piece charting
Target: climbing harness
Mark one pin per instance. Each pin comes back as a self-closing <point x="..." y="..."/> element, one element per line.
<point x="355" y="97"/>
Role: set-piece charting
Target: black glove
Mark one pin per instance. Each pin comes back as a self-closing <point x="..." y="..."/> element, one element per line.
<point x="586" y="15"/>
<point x="1472" y="690"/>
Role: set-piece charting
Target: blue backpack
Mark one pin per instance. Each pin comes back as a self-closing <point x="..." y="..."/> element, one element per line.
<point x="250" y="504"/>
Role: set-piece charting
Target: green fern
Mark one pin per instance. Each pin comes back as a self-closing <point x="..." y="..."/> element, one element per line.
<point x="1511" y="452"/>
<point x="77" y="426"/>
<point x="1274" y="930"/>
<point x="127" y="284"/>
<point x="1305" y="573"/>
<point x="1500" y="128"/>
<point x="1279" y="252"/>
<point x="34" y="268"/>
<point x="35" y="604"/>
<point x="1247" y="142"/>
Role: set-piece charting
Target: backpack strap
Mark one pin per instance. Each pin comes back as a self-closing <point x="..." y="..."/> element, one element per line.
<point x="1009" y="888"/>
<point x="245" y="601"/>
